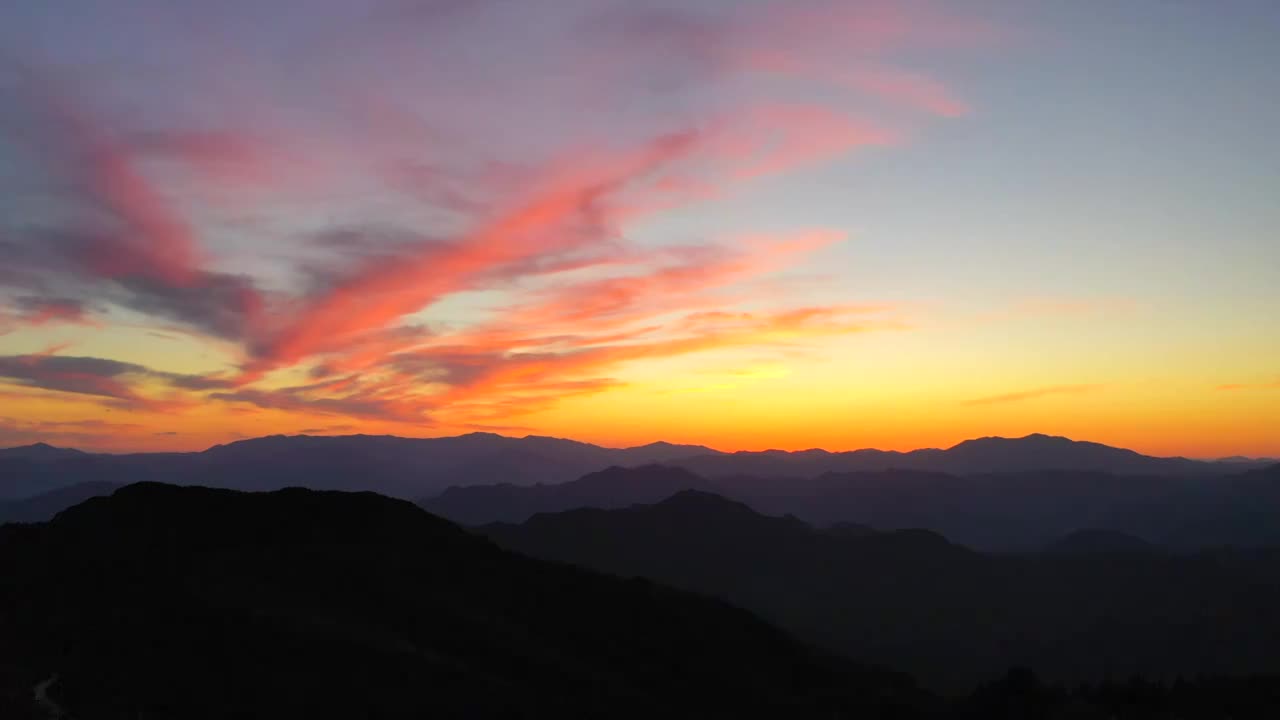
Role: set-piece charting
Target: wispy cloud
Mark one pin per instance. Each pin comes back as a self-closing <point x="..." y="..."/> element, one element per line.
<point x="121" y="383"/>
<point x="35" y="311"/>
<point x="121" y="240"/>
<point x="87" y="433"/>
<point x="313" y="236"/>
<point x="1034" y="394"/>
<point x="345" y="428"/>
<point x="1273" y="385"/>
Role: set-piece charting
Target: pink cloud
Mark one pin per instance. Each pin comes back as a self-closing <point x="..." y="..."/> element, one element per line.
<point x="384" y="292"/>
<point x="35" y="311"/>
<point x="464" y="193"/>
<point x="154" y="241"/>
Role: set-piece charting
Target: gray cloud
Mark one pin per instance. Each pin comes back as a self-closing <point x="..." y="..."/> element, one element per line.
<point x="98" y="377"/>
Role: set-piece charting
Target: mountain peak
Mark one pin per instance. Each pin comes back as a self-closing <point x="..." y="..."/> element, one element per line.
<point x="39" y="450"/>
<point x="291" y="513"/>
<point x="649" y="470"/>
<point x="701" y="500"/>
<point x="1052" y="452"/>
<point x="1032" y="439"/>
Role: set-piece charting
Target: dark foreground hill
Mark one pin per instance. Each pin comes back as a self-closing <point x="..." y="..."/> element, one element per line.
<point x="951" y="616"/>
<point x="1091" y="541"/>
<point x="160" y="601"/>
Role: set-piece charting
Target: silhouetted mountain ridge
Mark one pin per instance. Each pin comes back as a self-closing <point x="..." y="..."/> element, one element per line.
<point x="38" y="451"/>
<point x="419" y="467"/>
<point x="165" y="601"/>
<point x="1000" y="511"/>
<point x="44" y="506"/>
<point x="981" y="455"/>
<point x="1100" y="604"/>
<point x="612" y="487"/>
<point x="484" y="477"/>
<point x="688" y="513"/>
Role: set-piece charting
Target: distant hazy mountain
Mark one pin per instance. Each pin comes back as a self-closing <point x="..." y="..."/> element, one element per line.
<point x="41" y="452"/>
<point x="1241" y="510"/>
<point x="952" y="616"/>
<point x="611" y="488"/>
<point x="418" y="468"/>
<point x="161" y="601"/>
<point x="38" y="469"/>
<point x="989" y="499"/>
<point x="984" y="455"/>
<point x="401" y="467"/>
<point x="1027" y="510"/>
<point x="44" y="506"/>
<point x="660" y="452"/>
<point x="989" y="511"/>
<point x="25" y="470"/>
<point x="690" y="518"/>
<point x="1248" y="461"/>
<point x="1021" y="511"/>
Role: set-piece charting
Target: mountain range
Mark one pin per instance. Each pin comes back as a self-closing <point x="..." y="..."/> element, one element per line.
<point x="1094" y="605"/>
<point x="166" y="601"/>
<point x="1002" y="512"/>
<point x="393" y="466"/>
<point x="419" y="467"/>
<point x="613" y="487"/>
<point x="990" y="494"/>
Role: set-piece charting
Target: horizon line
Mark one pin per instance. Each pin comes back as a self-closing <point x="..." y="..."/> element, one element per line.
<point x="1240" y="458"/>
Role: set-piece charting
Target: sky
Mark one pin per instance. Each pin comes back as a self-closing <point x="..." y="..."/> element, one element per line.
<point x="750" y="224"/>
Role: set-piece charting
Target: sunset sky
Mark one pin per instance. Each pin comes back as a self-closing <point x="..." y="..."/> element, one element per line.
<point x="745" y="224"/>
